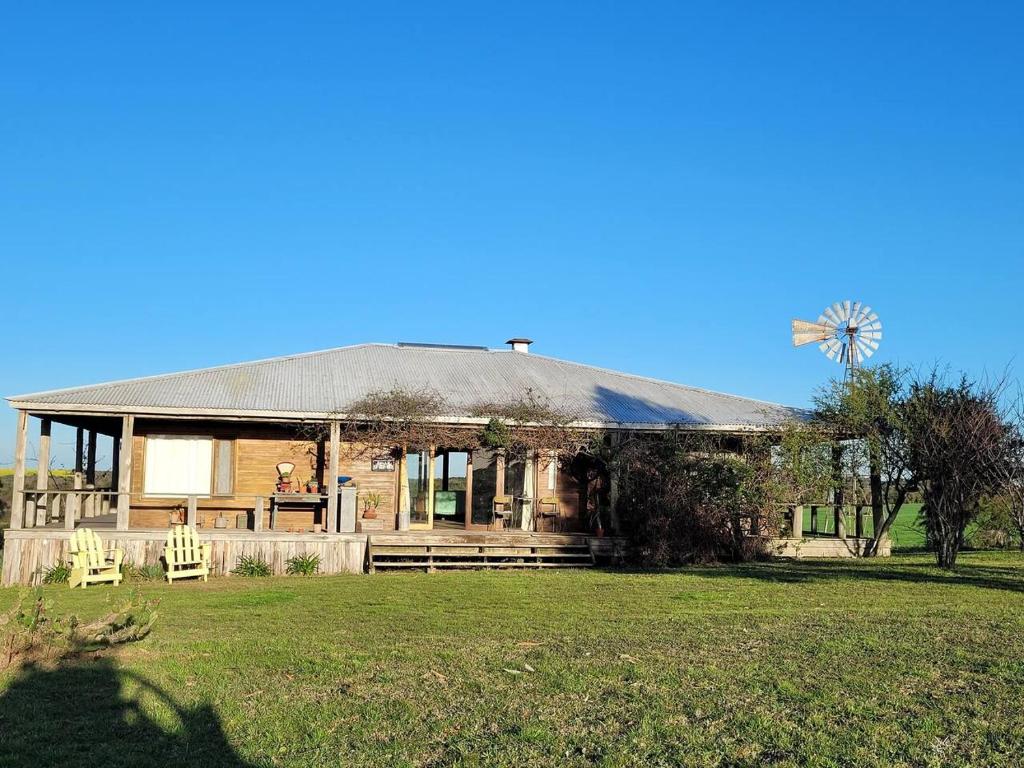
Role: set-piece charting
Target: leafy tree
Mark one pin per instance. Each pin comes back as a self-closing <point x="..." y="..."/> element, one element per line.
<point x="867" y="412"/>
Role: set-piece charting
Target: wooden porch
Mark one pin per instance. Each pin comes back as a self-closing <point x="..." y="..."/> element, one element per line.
<point x="29" y="552"/>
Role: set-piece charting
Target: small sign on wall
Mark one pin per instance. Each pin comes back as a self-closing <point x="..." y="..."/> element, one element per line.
<point x="382" y="464"/>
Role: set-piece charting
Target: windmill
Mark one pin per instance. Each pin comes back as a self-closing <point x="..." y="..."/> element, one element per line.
<point x="847" y="332"/>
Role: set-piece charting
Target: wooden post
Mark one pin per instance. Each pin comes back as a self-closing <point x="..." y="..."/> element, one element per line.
<point x="43" y="471"/>
<point x="192" y="511"/>
<point x="798" y="522"/>
<point x="499" y="474"/>
<point x="124" y="471"/>
<point x="257" y="515"/>
<point x="74" y="508"/>
<point x="18" y="500"/>
<point x="71" y="504"/>
<point x="877" y="510"/>
<point x="444" y="470"/>
<point x="858" y="522"/>
<point x="814" y="519"/>
<point x="468" y="521"/>
<point x="837" y="484"/>
<point x="332" y="479"/>
<point x="115" y="464"/>
<point x="431" y="453"/>
<point x="90" y="460"/>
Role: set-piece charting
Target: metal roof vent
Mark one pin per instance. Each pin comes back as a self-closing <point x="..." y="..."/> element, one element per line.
<point x="520" y="345"/>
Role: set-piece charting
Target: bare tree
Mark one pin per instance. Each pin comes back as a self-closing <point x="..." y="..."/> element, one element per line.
<point x="957" y="449"/>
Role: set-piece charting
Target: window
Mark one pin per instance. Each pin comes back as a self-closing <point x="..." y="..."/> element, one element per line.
<point x="178" y="465"/>
<point x="552" y="469"/>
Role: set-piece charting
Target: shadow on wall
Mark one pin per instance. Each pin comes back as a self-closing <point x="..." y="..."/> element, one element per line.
<point x="89" y="712"/>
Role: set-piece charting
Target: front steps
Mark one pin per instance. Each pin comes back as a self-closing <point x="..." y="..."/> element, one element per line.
<point x="438" y="552"/>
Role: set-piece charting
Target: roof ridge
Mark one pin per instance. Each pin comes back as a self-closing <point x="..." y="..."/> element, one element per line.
<point x="193" y="371"/>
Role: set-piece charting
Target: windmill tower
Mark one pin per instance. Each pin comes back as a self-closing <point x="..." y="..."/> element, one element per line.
<point x="847" y="332"/>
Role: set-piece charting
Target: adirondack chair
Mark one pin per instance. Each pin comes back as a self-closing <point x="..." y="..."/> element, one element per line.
<point x="185" y="554"/>
<point x="90" y="563"/>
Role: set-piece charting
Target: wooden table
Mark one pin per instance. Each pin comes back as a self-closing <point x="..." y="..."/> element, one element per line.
<point x="312" y="500"/>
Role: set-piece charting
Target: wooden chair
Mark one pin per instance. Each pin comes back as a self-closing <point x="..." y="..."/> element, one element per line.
<point x="185" y="554"/>
<point x="550" y="514"/>
<point x="501" y="511"/>
<point x="90" y="562"/>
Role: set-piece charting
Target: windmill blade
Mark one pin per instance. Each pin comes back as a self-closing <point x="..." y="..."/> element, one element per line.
<point x="830" y="313"/>
<point x="862" y="313"/>
<point x="868" y="343"/>
<point x="847" y="314"/>
<point x="805" y="332"/>
<point x="855" y="313"/>
<point x="837" y="310"/>
<point x="825" y="321"/>
<point x="863" y="349"/>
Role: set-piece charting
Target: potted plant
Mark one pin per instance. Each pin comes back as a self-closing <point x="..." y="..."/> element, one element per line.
<point x="177" y="515"/>
<point x="371" y="501"/>
<point x="313" y="486"/>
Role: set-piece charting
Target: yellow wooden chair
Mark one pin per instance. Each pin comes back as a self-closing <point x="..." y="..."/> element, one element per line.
<point x="90" y="562"/>
<point x="185" y="555"/>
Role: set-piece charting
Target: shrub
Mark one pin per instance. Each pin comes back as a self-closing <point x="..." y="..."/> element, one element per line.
<point x="251" y="566"/>
<point x="303" y="565"/>
<point x="150" y="572"/>
<point x="59" y="573"/>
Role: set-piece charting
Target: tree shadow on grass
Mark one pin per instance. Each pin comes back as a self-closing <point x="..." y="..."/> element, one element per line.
<point x="805" y="571"/>
<point x="90" y="712"/>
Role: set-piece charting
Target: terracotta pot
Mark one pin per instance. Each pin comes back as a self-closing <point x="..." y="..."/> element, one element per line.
<point x="370" y="514"/>
<point x="317" y="528"/>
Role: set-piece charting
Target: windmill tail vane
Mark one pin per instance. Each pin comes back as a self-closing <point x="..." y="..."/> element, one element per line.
<point x="847" y="332"/>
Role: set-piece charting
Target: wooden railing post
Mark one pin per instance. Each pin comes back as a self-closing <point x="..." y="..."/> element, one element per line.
<point x="797" y="522"/>
<point x="18" y="500"/>
<point x="71" y="505"/>
<point x="257" y="515"/>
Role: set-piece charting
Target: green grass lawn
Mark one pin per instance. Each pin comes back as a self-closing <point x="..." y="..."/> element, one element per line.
<point x="906" y="531"/>
<point x="876" y="663"/>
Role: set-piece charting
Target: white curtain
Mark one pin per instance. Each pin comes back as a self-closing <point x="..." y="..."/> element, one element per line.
<point x="178" y="465"/>
<point x="527" y="515"/>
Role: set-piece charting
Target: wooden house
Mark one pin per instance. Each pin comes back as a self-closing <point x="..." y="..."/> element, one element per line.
<point x="204" y="447"/>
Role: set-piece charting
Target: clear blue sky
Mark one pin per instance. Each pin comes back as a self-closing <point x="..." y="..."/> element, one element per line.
<point x="653" y="187"/>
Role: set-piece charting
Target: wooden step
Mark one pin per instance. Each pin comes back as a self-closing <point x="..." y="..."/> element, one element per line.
<point x="450" y="554"/>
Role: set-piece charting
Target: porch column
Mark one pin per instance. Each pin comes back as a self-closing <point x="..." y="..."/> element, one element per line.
<point x="431" y="454"/>
<point x="90" y="460"/>
<point x="115" y="464"/>
<point x="837" y="482"/>
<point x="444" y="470"/>
<point x="43" y="471"/>
<point x="18" y="499"/>
<point x="613" y="488"/>
<point x="797" y="523"/>
<point x="332" y="479"/>
<point x="74" y="508"/>
<point x="877" y="511"/>
<point x="124" y="469"/>
<point x="467" y="522"/>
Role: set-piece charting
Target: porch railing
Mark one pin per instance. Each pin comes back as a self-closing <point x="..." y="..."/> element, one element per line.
<point x="53" y="506"/>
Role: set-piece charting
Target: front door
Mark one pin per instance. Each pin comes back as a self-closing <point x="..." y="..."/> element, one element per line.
<point x="420" y="468"/>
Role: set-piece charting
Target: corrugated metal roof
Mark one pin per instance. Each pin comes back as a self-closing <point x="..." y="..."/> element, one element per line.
<point x="329" y="382"/>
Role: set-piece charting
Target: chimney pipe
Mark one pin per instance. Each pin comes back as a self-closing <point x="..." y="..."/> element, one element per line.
<point x="520" y="345"/>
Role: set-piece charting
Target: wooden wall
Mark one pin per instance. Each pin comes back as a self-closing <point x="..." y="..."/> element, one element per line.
<point x="260" y="447"/>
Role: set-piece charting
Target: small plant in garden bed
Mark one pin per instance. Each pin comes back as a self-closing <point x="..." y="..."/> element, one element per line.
<point x="150" y="572"/>
<point x="303" y="565"/>
<point x="59" y="573"/>
<point x="251" y="566"/>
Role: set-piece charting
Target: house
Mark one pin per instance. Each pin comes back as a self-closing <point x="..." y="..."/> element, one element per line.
<point x="207" y="447"/>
